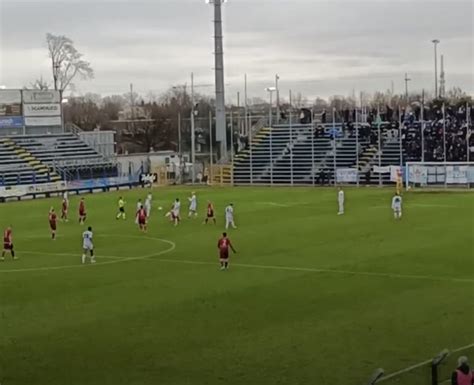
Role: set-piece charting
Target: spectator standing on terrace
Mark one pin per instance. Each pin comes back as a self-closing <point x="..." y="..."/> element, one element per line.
<point x="463" y="374"/>
<point x="368" y="176"/>
<point x="322" y="177"/>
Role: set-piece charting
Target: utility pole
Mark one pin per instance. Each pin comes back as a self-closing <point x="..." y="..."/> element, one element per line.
<point x="132" y="104"/>
<point x="442" y="79"/>
<point x="277" y="99"/>
<point x="132" y="112"/>
<point x="238" y="112"/>
<point x="179" y="135"/>
<point x="247" y="126"/>
<point x="407" y="79"/>
<point x="193" y="136"/>
<point x="436" y="42"/>
<point x="270" y="90"/>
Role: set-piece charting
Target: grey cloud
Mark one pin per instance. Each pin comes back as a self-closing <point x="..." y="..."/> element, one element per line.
<point x="157" y="43"/>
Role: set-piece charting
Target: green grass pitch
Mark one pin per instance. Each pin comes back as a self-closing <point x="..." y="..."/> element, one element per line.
<point x="310" y="298"/>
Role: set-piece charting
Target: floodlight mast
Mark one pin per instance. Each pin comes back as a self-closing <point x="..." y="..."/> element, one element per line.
<point x="221" y="125"/>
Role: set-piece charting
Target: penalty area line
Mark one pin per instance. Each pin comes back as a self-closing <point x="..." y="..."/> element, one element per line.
<point x="330" y="271"/>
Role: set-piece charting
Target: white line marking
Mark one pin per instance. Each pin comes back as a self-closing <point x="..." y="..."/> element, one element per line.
<point x="115" y="260"/>
<point x="331" y="271"/>
<point x="419" y="365"/>
<point x="68" y="254"/>
<point x="268" y="267"/>
<point x="430" y="205"/>
<point x="415" y="205"/>
<point x="275" y="204"/>
<point x="283" y="204"/>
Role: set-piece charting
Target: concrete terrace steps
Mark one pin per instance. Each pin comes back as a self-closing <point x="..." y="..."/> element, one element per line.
<point x="296" y="155"/>
<point x="37" y="166"/>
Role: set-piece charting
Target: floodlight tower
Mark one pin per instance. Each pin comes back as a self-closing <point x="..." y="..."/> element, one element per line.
<point x="221" y="129"/>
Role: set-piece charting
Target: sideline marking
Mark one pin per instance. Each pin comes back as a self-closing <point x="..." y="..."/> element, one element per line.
<point x="416" y="366"/>
<point x="331" y="271"/>
<point x="115" y="259"/>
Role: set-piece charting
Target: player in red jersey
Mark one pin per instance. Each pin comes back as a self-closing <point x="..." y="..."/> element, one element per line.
<point x="52" y="222"/>
<point x="210" y="213"/>
<point x="82" y="211"/>
<point x="141" y="216"/>
<point x="223" y="245"/>
<point x="64" y="209"/>
<point x="8" y="243"/>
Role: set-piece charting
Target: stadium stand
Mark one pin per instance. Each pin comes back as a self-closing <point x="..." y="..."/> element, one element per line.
<point x="51" y="157"/>
<point x="307" y="154"/>
<point x="19" y="166"/>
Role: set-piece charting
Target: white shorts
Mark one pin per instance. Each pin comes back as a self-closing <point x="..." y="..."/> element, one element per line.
<point x="88" y="247"/>
<point x="192" y="208"/>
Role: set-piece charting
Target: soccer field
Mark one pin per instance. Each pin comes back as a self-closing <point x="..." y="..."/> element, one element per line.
<point x="310" y="298"/>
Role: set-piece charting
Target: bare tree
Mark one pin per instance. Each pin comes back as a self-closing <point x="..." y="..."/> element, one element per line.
<point x="67" y="62"/>
<point x="38" y="84"/>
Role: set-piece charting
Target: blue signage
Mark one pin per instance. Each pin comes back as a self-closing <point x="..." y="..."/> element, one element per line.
<point x="11" y="122"/>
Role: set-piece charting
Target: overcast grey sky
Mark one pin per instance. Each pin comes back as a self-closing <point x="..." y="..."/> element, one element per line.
<point x="317" y="47"/>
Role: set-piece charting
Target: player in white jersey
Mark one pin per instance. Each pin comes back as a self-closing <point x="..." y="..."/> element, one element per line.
<point x="88" y="245"/>
<point x="229" y="216"/>
<point x="148" y="205"/>
<point x="340" y="200"/>
<point x="139" y="206"/>
<point x="397" y="206"/>
<point x="192" y="205"/>
<point x="175" y="212"/>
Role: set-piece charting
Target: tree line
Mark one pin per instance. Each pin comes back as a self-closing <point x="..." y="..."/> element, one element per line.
<point x="163" y="121"/>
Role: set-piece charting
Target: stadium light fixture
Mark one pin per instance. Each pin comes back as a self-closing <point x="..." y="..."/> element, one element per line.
<point x="3" y="87"/>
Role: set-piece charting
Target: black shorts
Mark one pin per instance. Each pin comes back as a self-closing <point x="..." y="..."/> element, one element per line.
<point x="122" y="209"/>
<point x="8" y="246"/>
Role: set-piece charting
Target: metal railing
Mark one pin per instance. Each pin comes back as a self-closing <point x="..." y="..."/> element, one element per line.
<point x="72" y="128"/>
<point x="434" y="371"/>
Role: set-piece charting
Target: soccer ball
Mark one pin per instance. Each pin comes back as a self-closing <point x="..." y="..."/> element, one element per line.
<point x="160" y="208"/>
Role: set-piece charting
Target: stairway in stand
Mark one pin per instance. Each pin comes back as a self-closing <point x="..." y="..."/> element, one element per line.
<point x="39" y="167"/>
<point x="366" y="157"/>
<point x="222" y="175"/>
